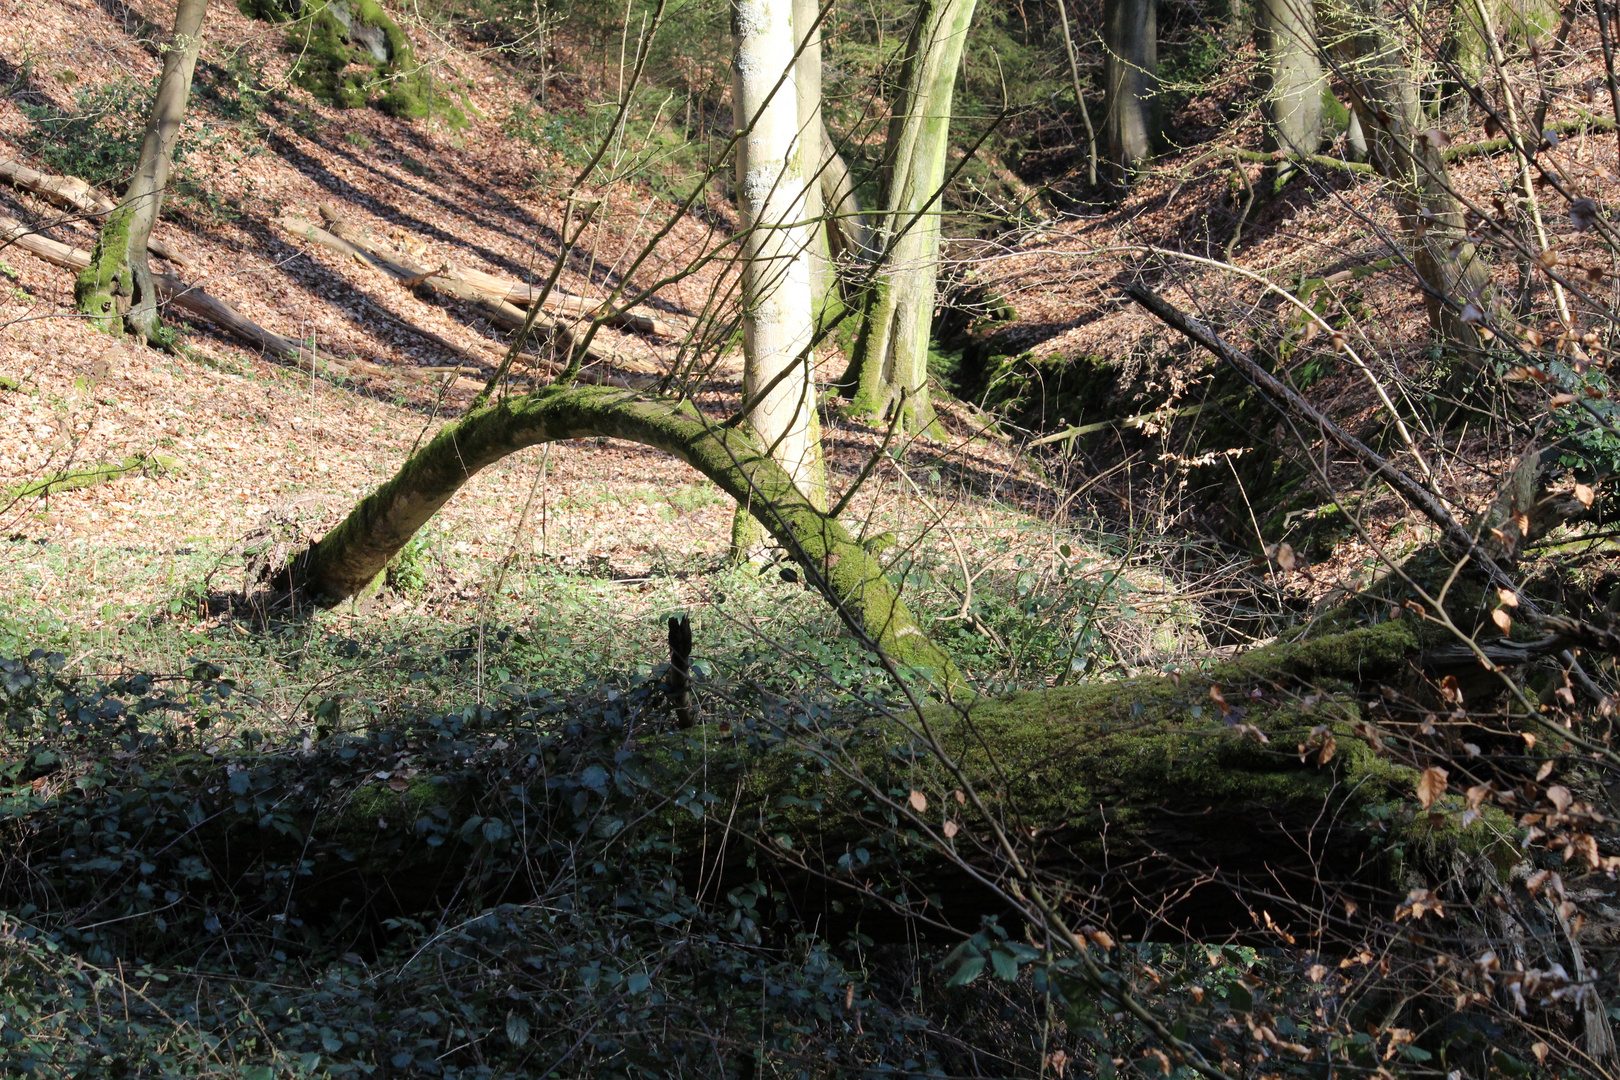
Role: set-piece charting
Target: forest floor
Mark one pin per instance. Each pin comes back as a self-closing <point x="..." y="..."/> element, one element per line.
<point x="237" y="446"/>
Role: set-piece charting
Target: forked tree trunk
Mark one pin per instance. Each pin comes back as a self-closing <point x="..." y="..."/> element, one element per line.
<point x="116" y="289"/>
<point x="1131" y="79"/>
<point x="778" y="366"/>
<point x="888" y="372"/>
<point x="1372" y="45"/>
<point x="1285" y="30"/>
<point x="381" y="524"/>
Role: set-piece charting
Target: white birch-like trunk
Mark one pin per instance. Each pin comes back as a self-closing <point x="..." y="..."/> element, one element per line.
<point x="777" y="310"/>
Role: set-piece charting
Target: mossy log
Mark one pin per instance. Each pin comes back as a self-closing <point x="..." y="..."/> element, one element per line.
<point x="1137" y="798"/>
<point x="345" y="560"/>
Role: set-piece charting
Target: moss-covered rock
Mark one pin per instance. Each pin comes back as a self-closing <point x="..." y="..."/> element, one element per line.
<point x="352" y="53"/>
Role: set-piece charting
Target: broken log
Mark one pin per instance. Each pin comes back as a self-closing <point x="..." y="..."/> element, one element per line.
<point x="199" y="304"/>
<point x="505" y="290"/>
<point x="500" y="312"/>
<point x="74" y="194"/>
<point x="1136" y="793"/>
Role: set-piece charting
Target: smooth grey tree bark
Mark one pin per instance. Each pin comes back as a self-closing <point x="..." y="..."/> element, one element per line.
<point x="1286" y="33"/>
<point x="888" y="372"/>
<point x="1131" y="78"/>
<point x="116" y="289"/>
<point x="778" y="320"/>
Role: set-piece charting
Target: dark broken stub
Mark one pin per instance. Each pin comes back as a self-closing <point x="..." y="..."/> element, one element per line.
<point x="678" y="682"/>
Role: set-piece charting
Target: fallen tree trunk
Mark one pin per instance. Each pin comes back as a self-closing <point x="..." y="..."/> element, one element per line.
<point x="1130" y="792"/>
<point x="504" y="290"/>
<point x="500" y="312"/>
<point x="195" y="302"/>
<point x="345" y="560"/>
<point x="75" y="194"/>
<point x="187" y="298"/>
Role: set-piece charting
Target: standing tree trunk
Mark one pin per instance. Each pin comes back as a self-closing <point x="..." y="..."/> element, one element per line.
<point x="1468" y="46"/>
<point x="778" y="367"/>
<point x="1131" y="74"/>
<point x="1385" y="98"/>
<point x="1079" y="94"/>
<point x="847" y="237"/>
<point x="116" y="289"/>
<point x="888" y="371"/>
<point x="812" y="152"/>
<point x="1285" y="30"/>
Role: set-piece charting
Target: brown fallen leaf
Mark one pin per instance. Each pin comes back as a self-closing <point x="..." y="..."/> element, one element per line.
<point x="1431" y="785"/>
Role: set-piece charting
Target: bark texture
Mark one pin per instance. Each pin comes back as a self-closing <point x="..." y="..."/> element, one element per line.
<point x="1286" y="33"/>
<point x="888" y="370"/>
<point x="380" y="525"/>
<point x="812" y="154"/>
<point x="1373" y="48"/>
<point x="848" y="239"/>
<point x="116" y="289"/>
<point x="778" y="365"/>
<point x="1131" y="79"/>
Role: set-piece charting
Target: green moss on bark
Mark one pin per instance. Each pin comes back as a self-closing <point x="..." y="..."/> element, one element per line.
<point x="106" y="288"/>
<point x="336" y="62"/>
<point x="852" y="579"/>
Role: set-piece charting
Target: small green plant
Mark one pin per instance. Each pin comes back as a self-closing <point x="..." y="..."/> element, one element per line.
<point x="408" y="573"/>
<point x="98" y="139"/>
<point x="358" y="139"/>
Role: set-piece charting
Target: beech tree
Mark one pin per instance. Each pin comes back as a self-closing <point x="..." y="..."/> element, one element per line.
<point x="1372" y="48"/>
<point x="778" y="323"/>
<point x="888" y="370"/>
<point x="116" y="290"/>
<point x="1286" y="32"/>
<point x="1131" y="80"/>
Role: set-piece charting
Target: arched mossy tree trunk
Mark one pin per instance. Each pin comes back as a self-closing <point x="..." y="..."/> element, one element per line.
<point x="1285" y="30"/>
<point x="116" y="289"/>
<point x="778" y="327"/>
<point x="345" y="560"/>
<point x="1131" y="83"/>
<point x="1372" y="45"/>
<point x="888" y="371"/>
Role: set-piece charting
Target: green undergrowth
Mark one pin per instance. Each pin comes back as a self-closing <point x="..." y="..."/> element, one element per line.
<point x="486" y="889"/>
<point x="211" y="900"/>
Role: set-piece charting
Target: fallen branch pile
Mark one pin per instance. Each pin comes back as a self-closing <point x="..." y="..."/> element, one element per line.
<point x="75" y="194"/>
